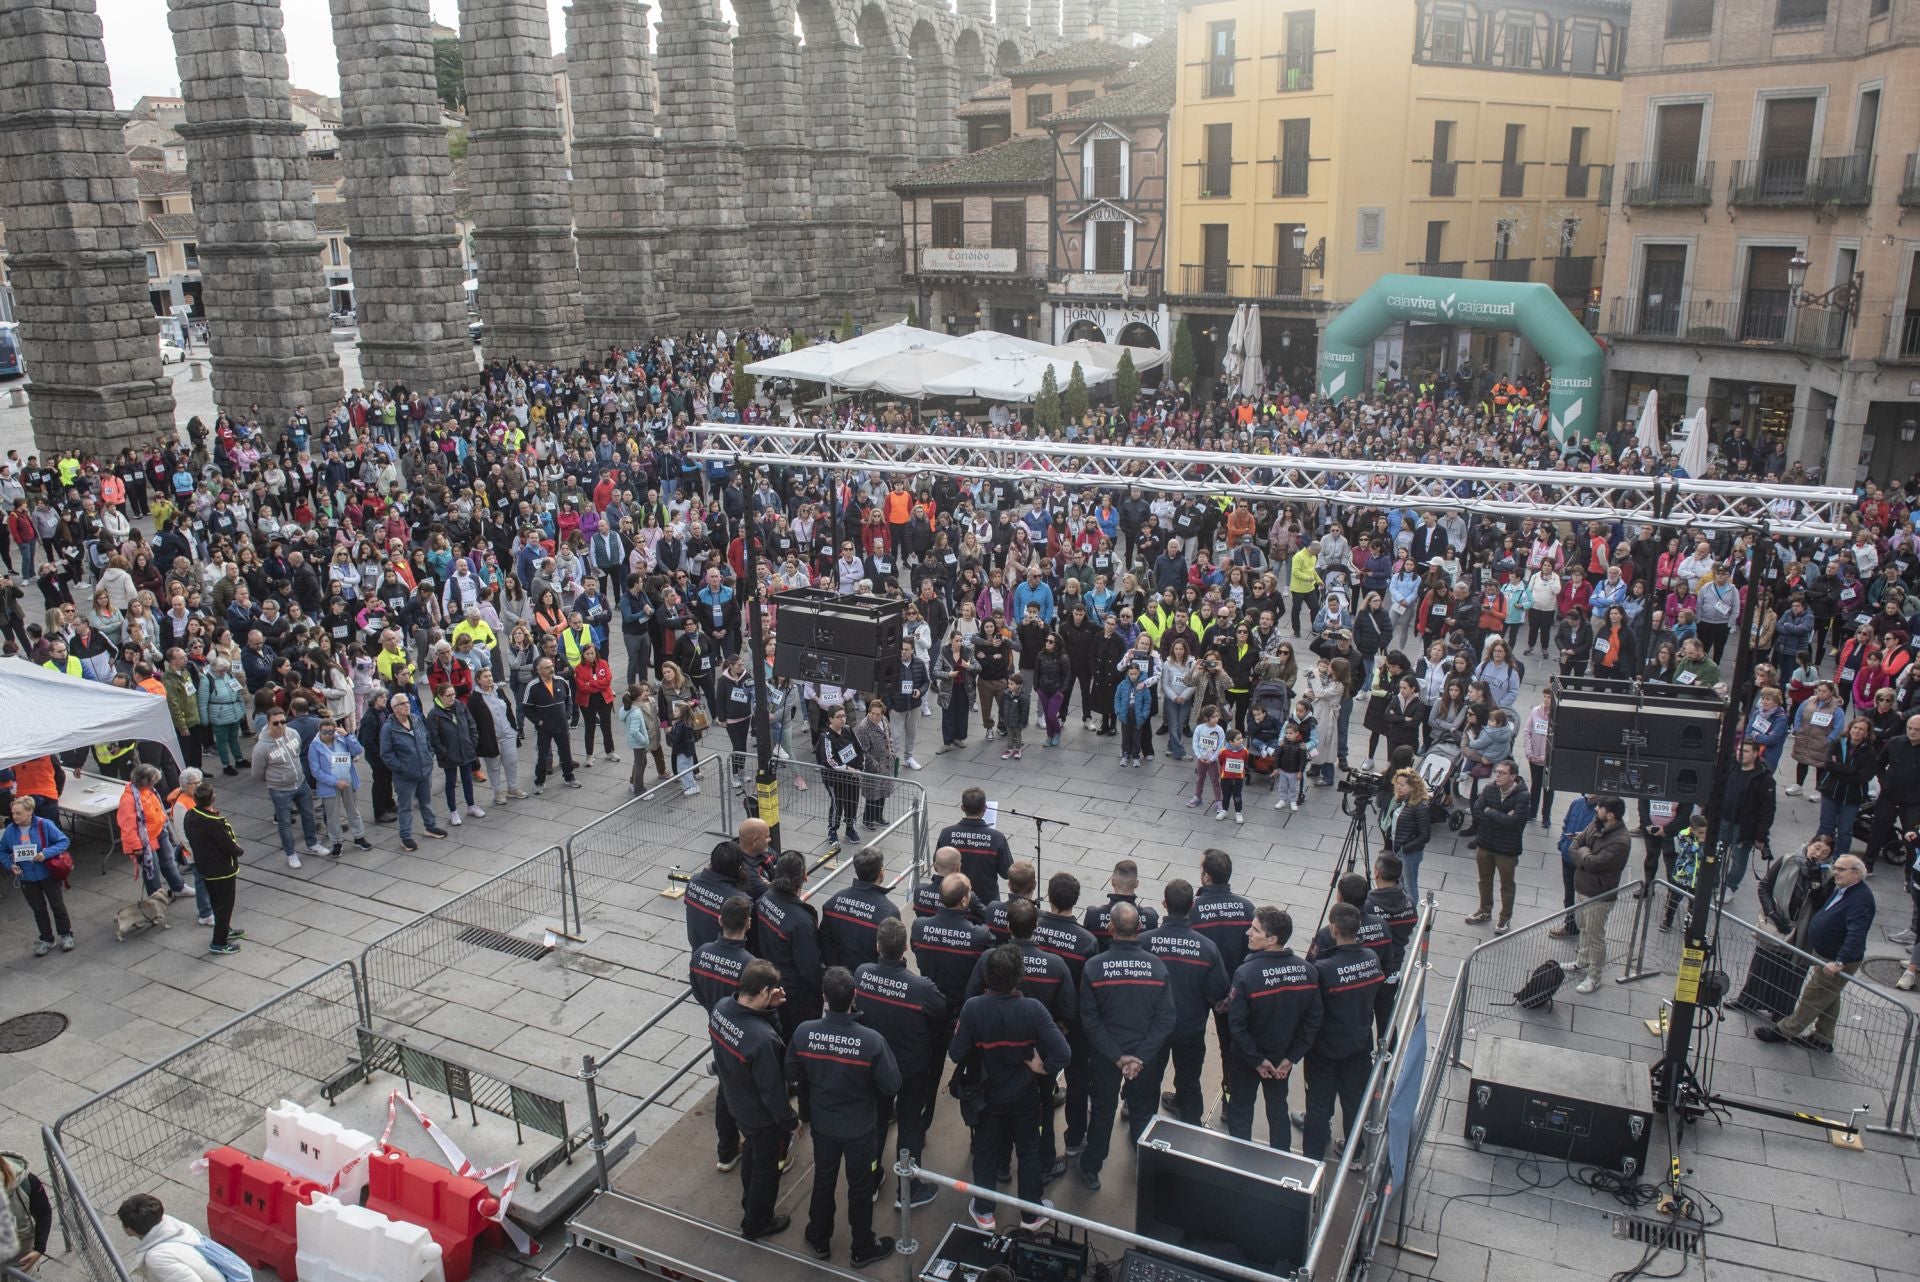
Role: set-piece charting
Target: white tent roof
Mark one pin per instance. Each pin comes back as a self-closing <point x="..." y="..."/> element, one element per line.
<point x="1016" y="379"/>
<point x="1092" y="355"/>
<point x="42" y="712"/>
<point x="904" y="373"/>
<point x="824" y="363"/>
<point x="987" y="344"/>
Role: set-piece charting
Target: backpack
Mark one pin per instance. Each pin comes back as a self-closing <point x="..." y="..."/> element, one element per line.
<point x="229" y="1266"/>
<point x="1542" y="983"/>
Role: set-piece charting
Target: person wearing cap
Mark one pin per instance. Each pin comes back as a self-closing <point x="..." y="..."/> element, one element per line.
<point x="1599" y="856"/>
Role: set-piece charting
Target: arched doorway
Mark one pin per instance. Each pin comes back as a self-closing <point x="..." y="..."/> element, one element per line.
<point x="1140" y="334"/>
<point x="1086" y="331"/>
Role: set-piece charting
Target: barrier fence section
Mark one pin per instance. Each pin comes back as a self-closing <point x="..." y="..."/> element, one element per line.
<point x="1872" y="1060"/>
<point x="615" y="863"/>
<point x="402" y="968"/>
<point x="143" y="1135"/>
<point x="806" y="799"/>
<point x="89" y="1248"/>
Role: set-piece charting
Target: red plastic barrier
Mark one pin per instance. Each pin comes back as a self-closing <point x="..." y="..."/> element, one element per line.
<point x="250" y="1208"/>
<point x="453" y="1208"/>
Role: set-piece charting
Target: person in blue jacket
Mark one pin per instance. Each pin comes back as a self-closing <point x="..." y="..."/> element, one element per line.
<point x="1132" y="706"/>
<point x="25" y="847"/>
<point x="1579" y="815"/>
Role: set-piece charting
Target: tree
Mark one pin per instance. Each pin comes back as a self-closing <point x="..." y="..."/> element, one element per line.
<point x="744" y="384"/>
<point x="1184" y="364"/>
<point x="449" y="74"/>
<point x="1126" y="383"/>
<point x="1073" y="401"/>
<point x="457" y="143"/>
<point x="846" y="326"/>
<point x="913" y="315"/>
<point x="1046" y="406"/>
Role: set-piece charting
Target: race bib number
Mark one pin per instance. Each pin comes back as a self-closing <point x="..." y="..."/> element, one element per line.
<point x="847" y="754"/>
<point x="1848" y="674"/>
<point x="906" y="687"/>
<point x="25" y="853"/>
<point x="1601" y="645"/>
<point x="1540" y="725"/>
<point x="1233" y="767"/>
<point x="1862" y="620"/>
<point x="1687" y="678"/>
<point x="739" y="694"/>
<point x="1822" y="719"/>
<point x="1439" y="611"/>
<point x="1661" y="811"/>
<point x="951" y="559"/>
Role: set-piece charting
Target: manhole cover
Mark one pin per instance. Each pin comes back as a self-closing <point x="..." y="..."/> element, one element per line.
<point x="1881" y="970"/>
<point x="24" y="1032"/>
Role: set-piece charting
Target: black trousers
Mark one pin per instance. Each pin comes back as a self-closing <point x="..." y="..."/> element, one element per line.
<point x="49" y="906"/>
<point x="220" y="892"/>
<point x="759" y="1179"/>
<point x="858" y="1155"/>
<point x="1014" y="1126"/>
<point x="1188" y="1055"/>
<point x="910" y="1108"/>
<point x="1103" y="1100"/>
<point x="550" y="741"/>
<point x="1891" y="817"/>
<point x="1078" y="1080"/>
<point x="598" y="713"/>
<point x="383" y="802"/>
<point x="1244" y="1083"/>
<point x="1328" y="1081"/>
<point x="725" y="1132"/>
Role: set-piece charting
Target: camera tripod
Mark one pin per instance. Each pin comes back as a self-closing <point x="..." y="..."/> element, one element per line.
<point x="1355" y="847"/>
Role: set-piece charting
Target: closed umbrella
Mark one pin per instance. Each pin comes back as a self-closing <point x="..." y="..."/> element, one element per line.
<point x="1693" y="452"/>
<point x="1236" y="335"/>
<point x="1647" y="435"/>
<point x="1253" y="372"/>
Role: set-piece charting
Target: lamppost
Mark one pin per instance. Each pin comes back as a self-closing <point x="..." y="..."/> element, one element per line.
<point x="1318" y="258"/>
<point x="1844" y="297"/>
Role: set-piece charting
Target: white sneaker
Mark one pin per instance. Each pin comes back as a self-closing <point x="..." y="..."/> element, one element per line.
<point x="1239" y="817"/>
<point x="293" y="861"/>
<point x="454" y="818"/>
<point x="1293" y="805"/>
<point x="1587" y="985"/>
<point x="206" y="921"/>
<point x="912" y="764"/>
<point x="1793" y="790"/>
<point x="926" y="711"/>
<point x="1219" y="815"/>
<point x="476" y="812"/>
<point x="1280" y="804"/>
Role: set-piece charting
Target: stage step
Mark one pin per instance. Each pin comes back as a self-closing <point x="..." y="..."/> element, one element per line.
<point x="616" y="1238"/>
<point x="577" y="1264"/>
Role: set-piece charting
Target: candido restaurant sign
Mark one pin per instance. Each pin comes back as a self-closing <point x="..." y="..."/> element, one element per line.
<point x="969" y="260"/>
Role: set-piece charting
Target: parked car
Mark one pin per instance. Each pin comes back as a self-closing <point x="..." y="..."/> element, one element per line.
<point x="170" y="352"/>
<point x="475" y="329"/>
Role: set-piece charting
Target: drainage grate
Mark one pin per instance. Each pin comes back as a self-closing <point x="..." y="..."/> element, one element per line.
<point x="1884" y="970"/>
<point x="24" y="1032"/>
<point x="1666" y="1234"/>
<point x="499" y="942"/>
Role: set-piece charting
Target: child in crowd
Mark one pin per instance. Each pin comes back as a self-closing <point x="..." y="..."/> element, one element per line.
<point x="1208" y="740"/>
<point x="642" y="727"/>
<point x="682" y="744"/>
<point x="1233" y="778"/>
<point x="1686" y="866"/>
<point x="1016" y="709"/>
<point x="1132" y="705"/>
<point x="1290" y="766"/>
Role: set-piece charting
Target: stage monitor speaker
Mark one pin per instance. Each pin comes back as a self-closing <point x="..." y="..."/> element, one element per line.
<point x="1657" y="742"/>
<point x="1560" y="1103"/>
<point x="830" y="639"/>
<point x="1225" y="1197"/>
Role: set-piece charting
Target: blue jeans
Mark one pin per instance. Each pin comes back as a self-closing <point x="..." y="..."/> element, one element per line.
<point x="162" y="866"/>
<point x="461" y="775"/>
<point x="1838" y="820"/>
<point x="407" y="794"/>
<point x="285" y="802"/>
<point x="1179" y="728"/>
<point x="1410" y="872"/>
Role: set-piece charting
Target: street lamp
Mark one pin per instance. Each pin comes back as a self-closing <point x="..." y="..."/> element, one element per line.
<point x="1844" y="297"/>
<point x="1318" y="258"/>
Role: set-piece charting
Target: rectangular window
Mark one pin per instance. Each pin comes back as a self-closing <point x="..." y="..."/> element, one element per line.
<point x="1106" y="168"/>
<point x="1689" y="17"/>
<point x="989" y="133"/>
<point x="1441" y="182"/>
<point x="1038" y="105"/>
<point x="1513" y="174"/>
<point x="1763" y="312"/>
<point x="1516" y="45"/>
<point x="1584" y="59"/>
<point x="1217" y="180"/>
<point x="1446" y="36"/>
<point x="1109" y="247"/>
<point x="1287" y="272"/>
<point x="153" y="263"/>
<point x="1220" y="59"/>
<point x="1009" y="224"/>
<point x="949" y="225"/>
<point x="1215" y="271"/>
<point x="1436" y="241"/>
<point x="1800" y="13"/>
<point x="333" y="249"/>
<point x="1077" y="96"/>
<point x="192" y="251"/>
<point x="1577" y="163"/>
<point x="1786" y="147"/>
<point x="1295" y="136"/>
<point x="1879" y="9"/>
<point x="1867" y="123"/>
<point x="1661" y="279"/>
<point x="1676" y="145"/>
<point x="1296" y="65"/>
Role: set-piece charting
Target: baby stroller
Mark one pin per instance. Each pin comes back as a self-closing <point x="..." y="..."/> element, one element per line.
<point x="1440" y="766"/>
<point x="1275" y="699"/>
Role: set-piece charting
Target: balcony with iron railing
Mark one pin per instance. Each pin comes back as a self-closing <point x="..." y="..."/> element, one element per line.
<point x="1455" y="270"/>
<point x="1513" y="180"/>
<point x="1296" y="71"/>
<point x="1511" y="270"/>
<point x="1777" y="183"/>
<point x="1603" y="186"/>
<point x="1572" y="276"/>
<point x="1220" y="78"/>
<point x="1669" y="182"/>
<point x="1844" y="181"/>
<point x="1209" y="280"/>
<point x="1444" y="178"/>
<point x="1290" y="175"/>
<point x="1287" y="282"/>
<point x="1902" y="342"/>
<point x="1764" y="318"/>
<point x="1910" y="183"/>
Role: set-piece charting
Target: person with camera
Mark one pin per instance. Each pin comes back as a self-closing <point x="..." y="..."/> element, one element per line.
<point x="1500" y="823"/>
<point x="1406" y="825"/>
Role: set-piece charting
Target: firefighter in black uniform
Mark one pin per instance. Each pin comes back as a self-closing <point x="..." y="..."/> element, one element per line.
<point x="1200" y="982"/>
<point x="711" y="887"/>
<point x="849" y="919"/>
<point x="1273" y="1015"/>
<point x="1350" y="977"/>
<point x="945" y="948"/>
<point x="1061" y="934"/>
<point x="984" y="854"/>
<point x="714" y="971"/>
<point x="1223" y="917"/>
<point x="1390" y="901"/>
<point x="790" y="938"/>
<point x="842" y="1069"/>
<point x="909" y="1012"/>
<point x="750" y="1060"/>
<point x="1354" y="888"/>
<point x="926" y="896"/>
<point x="1023" y="882"/>
<point x="1018" y="1044"/>
<point x="1126" y="1011"/>
<point x="1049" y="982"/>
<point x="1126" y="884"/>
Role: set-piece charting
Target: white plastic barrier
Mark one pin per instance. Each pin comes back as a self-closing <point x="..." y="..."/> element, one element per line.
<point x="315" y="1147"/>
<point x="336" y="1242"/>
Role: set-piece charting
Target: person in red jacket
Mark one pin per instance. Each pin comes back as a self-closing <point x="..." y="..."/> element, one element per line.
<point x="593" y="691"/>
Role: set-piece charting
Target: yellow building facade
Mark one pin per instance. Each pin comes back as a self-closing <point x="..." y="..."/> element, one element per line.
<point x="1316" y="148"/>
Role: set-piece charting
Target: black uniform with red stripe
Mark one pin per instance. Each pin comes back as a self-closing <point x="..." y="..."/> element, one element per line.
<point x="706" y="892"/>
<point x="1396" y="906"/>
<point x="714" y="970"/>
<point x="849" y="921"/>
<point x="1065" y="938"/>
<point x="926" y="901"/>
<point x="843" y="1070"/>
<point x="1099" y="916"/>
<point x="1046" y="979"/>
<point x="1350" y="980"/>
<point x="945" y="948"/>
<point x="996" y="920"/>
<point x="985" y="856"/>
<point x="1273" y="1014"/>
<point x="750" y="1061"/>
<point x="790" y="939"/>
<point x="1005" y="1031"/>
<point x="1223" y="917"/>
<point x="1126" y="1008"/>
<point x="1200" y="982"/>
<point x="908" y="1010"/>
<point x="1376" y="935"/>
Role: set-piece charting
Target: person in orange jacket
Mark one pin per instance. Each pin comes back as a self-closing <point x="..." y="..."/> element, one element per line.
<point x="144" y="835"/>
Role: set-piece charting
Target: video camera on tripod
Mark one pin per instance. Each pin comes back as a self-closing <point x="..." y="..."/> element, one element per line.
<point x="1359" y="787"/>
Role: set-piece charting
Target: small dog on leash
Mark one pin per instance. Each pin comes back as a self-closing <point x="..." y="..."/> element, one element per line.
<point x="142" y="913"/>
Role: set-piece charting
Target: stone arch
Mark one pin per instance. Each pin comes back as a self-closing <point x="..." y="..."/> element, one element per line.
<point x="770" y="86"/>
<point x="835" y="111"/>
<point x="1007" y="56"/>
<point x="1085" y="330"/>
<point x="936" y="96"/>
<point x="969" y="62"/>
<point x="1139" y="334"/>
<point x="889" y="132"/>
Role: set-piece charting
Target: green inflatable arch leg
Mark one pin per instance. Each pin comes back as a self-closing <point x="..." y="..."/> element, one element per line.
<point x="1573" y="403"/>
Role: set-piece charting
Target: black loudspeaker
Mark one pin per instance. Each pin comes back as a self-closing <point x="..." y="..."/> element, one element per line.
<point x="1620" y="737"/>
<point x="1225" y="1197"/>
<point x="1560" y="1103"/>
<point x="829" y="639"/>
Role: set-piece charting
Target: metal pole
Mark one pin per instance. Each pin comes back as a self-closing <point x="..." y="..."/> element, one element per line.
<point x="596" y="1134"/>
<point x="904" y="1245"/>
<point x="766" y="785"/>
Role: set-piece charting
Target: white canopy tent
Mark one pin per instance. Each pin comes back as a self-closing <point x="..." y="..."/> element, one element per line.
<point x="825" y="362"/>
<point x="991" y="345"/>
<point x="905" y="373"/>
<point x="43" y="712"/>
<point x="1016" y="380"/>
<point x="1092" y="355"/>
<point x="1647" y="434"/>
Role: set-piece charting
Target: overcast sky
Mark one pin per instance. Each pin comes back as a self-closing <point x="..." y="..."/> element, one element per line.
<point x="140" y="45"/>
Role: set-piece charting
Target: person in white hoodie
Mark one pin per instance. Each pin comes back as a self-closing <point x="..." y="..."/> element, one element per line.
<point x="168" y="1249"/>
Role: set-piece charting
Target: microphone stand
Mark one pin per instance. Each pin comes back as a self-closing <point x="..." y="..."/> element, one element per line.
<point x="1040" y="823"/>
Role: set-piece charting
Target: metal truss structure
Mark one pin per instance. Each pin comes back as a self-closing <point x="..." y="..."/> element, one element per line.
<point x="1786" y="510"/>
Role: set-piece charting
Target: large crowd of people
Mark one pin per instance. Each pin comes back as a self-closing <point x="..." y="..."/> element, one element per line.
<point x="377" y="603"/>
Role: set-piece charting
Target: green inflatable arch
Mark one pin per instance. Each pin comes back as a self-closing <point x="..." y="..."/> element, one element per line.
<point x="1573" y="403"/>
